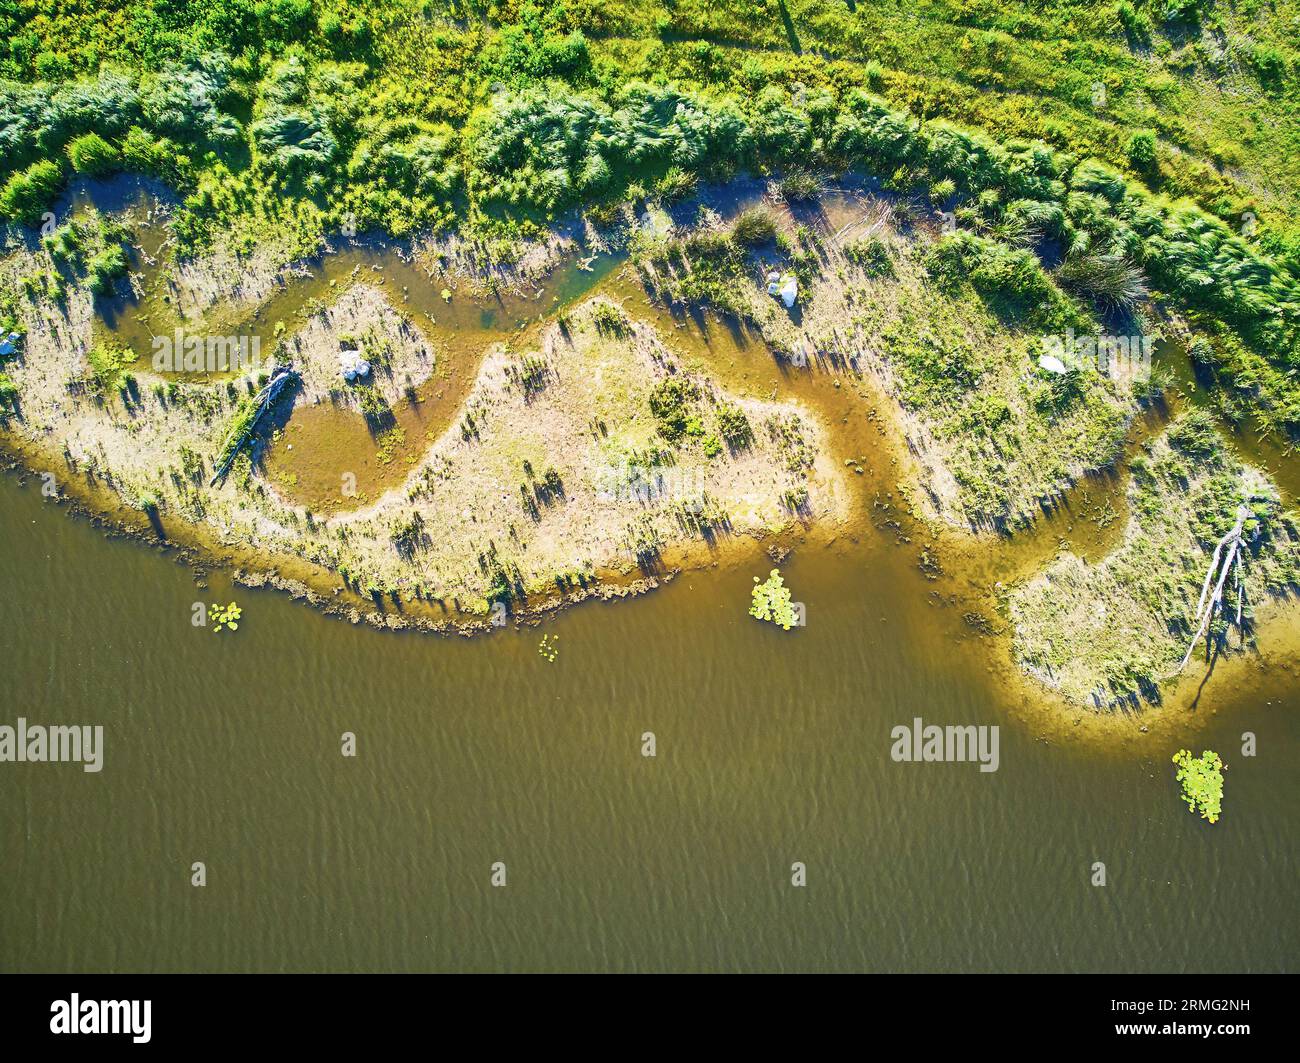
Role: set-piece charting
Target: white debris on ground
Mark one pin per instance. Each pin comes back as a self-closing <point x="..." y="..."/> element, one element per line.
<point x="353" y="365"/>
<point x="785" y="286"/>
<point x="1052" y="364"/>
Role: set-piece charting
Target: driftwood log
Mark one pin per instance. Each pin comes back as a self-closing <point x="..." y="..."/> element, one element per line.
<point x="265" y="399"/>
<point x="1208" y="602"/>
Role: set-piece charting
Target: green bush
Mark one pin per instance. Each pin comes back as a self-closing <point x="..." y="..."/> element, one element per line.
<point x="1141" y="150"/>
<point x="1011" y="280"/>
<point x="871" y="255"/>
<point x="92" y="154"/>
<point x="754" y="227"/>
<point x="1196" y="435"/>
<point x="156" y="156"/>
<point x="106" y="267"/>
<point x="1110" y="279"/>
<point x="28" y="194"/>
<point x="735" y="427"/>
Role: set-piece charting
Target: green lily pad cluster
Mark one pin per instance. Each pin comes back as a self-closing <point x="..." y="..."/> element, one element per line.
<point x="771" y="601"/>
<point x="1202" y="781"/>
<point x="224" y="616"/>
<point x="548" y="649"/>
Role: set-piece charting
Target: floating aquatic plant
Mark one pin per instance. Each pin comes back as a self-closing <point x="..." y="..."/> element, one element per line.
<point x="1202" y="781"/>
<point x="224" y="616"/>
<point x="548" y="649"/>
<point x="771" y="601"/>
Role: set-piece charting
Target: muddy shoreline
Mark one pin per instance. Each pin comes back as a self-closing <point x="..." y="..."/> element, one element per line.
<point x="204" y="557"/>
<point x="308" y="582"/>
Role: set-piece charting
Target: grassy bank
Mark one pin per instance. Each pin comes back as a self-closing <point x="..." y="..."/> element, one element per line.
<point x="1117" y="629"/>
<point x="953" y="328"/>
<point x="590" y="451"/>
<point x="408" y="117"/>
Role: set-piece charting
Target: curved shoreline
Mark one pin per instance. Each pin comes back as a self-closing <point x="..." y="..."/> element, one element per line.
<point x="302" y="580"/>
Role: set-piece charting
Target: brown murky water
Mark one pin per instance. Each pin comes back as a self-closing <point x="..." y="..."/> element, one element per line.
<point x="772" y="748"/>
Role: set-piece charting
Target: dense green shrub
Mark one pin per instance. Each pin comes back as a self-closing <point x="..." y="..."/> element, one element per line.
<point x="26" y="195"/>
<point x="734" y="427"/>
<point x="1141" y="150"/>
<point x="542" y="150"/>
<point x="92" y="154"/>
<point x="1011" y="280"/>
<point x="1196" y="435"/>
<point x="1109" y="279"/>
<point x="106" y="267"/>
<point x="753" y="227"/>
<point x="871" y="255"/>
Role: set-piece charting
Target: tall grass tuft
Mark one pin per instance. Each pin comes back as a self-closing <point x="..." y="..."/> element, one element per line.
<point x="1110" y="279"/>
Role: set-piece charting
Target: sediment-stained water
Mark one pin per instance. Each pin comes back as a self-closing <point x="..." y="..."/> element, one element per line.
<point x="772" y="748"/>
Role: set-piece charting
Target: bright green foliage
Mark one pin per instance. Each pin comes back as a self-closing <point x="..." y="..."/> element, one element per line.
<point x="1031" y="122"/>
<point x="105" y="267"/>
<point x="108" y="366"/>
<point x="735" y="427"/>
<point x="92" y="154"/>
<point x="224" y="616"/>
<point x="753" y="227"/>
<point x="244" y="416"/>
<point x="771" y="601"/>
<point x="30" y="192"/>
<point x="1202" y="781"/>
<point x="671" y="403"/>
<point x="1142" y="150"/>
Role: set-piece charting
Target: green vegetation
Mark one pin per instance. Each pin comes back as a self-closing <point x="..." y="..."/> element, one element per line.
<point x="611" y="320"/>
<point x="771" y="601"/>
<point x="105" y="267"/>
<point x="224" y="616"/>
<point x="754" y="227"/>
<point x="1011" y="280"/>
<point x="1116" y="629"/>
<point x="109" y="367"/>
<point x="93" y="155"/>
<point x="671" y="403"/>
<point x="240" y="422"/>
<point x="1202" y="782"/>
<point x="734" y="427"/>
<point x="871" y="255"/>
<point x="421" y="114"/>
<point x="547" y="649"/>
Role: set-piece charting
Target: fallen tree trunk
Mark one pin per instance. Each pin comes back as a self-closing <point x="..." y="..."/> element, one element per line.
<point x="264" y="399"/>
<point x="1205" y="609"/>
